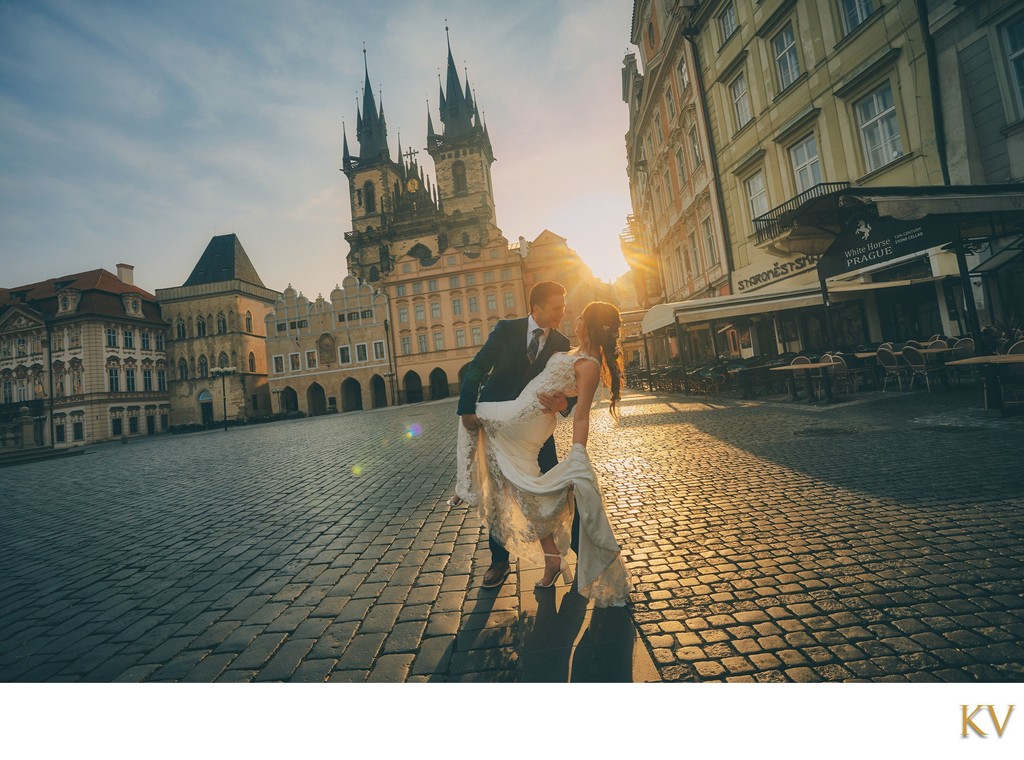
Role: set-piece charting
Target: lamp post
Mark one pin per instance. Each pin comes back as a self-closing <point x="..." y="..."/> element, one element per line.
<point x="224" y="372"/>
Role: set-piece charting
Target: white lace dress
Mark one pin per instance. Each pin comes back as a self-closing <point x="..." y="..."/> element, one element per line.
<point x="498" y="473"/>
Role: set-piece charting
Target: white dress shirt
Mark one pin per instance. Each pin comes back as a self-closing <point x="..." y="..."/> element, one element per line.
<point x="530" y="327"/>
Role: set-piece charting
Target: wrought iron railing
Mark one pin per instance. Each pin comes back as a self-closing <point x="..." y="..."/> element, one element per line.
<point x="769" y="226"/>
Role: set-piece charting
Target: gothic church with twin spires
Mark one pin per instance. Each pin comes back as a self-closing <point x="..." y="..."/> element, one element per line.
<point x="432" y="247"/>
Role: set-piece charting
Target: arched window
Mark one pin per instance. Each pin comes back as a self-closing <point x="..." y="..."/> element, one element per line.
<point x="183" y="370"/>
<point x="459" y="177"/>
<point x="222" y="360"/>
<point x="222" y="324"/>
<point x="200" y="327"/>
<point x="180" y="327"/>
<point x="369" y="198"/>
<point x="248" y="321"/>
<point x="204" y="367"/>
<point x="252" y="362"/>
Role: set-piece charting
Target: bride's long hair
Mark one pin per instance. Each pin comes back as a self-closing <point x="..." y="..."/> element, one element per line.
<point x="601" y="321"/>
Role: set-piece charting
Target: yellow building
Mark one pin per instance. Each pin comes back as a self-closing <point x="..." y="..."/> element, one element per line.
<point x="85" y="354"/>
<point x="217" y="341"/>
<point x="330" y="355"/>
<point x="433" y="250"/>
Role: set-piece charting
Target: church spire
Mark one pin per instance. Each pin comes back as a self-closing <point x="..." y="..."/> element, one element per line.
<point x="371" y="130"/>
<point x="456" y="112"/>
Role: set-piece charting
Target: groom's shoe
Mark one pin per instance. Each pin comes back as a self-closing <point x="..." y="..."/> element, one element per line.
<point x="496" y="574"/>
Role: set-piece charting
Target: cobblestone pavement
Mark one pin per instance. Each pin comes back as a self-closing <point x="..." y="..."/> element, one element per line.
<point x="879" y="539"/>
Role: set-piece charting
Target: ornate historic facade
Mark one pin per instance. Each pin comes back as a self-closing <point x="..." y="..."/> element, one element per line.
<point x="434" y="250"/>
<point x="85" y="354"/>
<point x="216" y="321"/>
<point x="331" y="355"/>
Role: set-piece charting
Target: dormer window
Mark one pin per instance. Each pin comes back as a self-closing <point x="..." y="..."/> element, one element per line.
<point x="68" y="301"/>
<point x="132" y="305"/>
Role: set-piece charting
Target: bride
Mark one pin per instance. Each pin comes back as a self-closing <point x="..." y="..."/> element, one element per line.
<point x="531" y="513"/>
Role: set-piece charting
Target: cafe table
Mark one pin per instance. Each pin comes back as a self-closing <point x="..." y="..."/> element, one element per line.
<point x="826" y="378"/>
<point x="993" y="395"/>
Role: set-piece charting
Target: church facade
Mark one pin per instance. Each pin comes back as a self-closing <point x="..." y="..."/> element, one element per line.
<point x="433" y="250"/>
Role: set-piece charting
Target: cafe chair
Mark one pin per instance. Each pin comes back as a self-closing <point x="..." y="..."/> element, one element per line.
<point x="938" y="343"/>
<point x="919" y="367"/>
<point x="1016" y="348"/>
<point x="962" y="349"/>
<point x="843" y="380"/>
<point x="888" y="361"/>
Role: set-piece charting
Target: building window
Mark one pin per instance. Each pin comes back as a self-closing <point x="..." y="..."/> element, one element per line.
<point x="421" y="312"/>
<point x="709" y="241"/>
<point x="668" y="187"/>
<point x="344" y="355"/>
<point x="278" y="365"/>
<point x="222" y="324"/>
<point x="406" y="345"/>
<point x="248" y="325"/>
<point x="403" y="315"/>
<point x="111" y="341"/>
<point x="183" y="370"/>
<point x="78" y="431"/>
<point x="133" y="424"/>
<point x="1015" y="55"/>
<point x="695" y="267"/>
<point x="459" y="178"/>
<point x="439" y="341"/>
<point x="145" y="341"/>
<point x="59" y="430"/>
<point x="457" y="307"/>
<point x="399" y="290"/>
<point x="252" y="362"/>
<point x="684" y="73"/>
<point x="478" y="336"/>
<point x="471" y="279"/>
<point x="474" y="306"/>
<point x="417" y="287"/>
<point x="670" y="104"/>
<point x="489" y="276"/>
<point x="129" y="339"/>
<point x="698" y="157"/>
<point x="360" y="352"/>
<point x="879" y="130"/>
<point x="421" y="343"/>
<point x="161" y="380"/>
<point x="453" y="281"/>
<point x="492" y="302"/>
<point x="200" y="327"/>
<point x="369" y="198"/>
<point x="311" y="360"/>
<point x="204" y="367"/>
<point x="432" y="285"/>
<point x="294" y="362"/>
<point x="113" y="379"/>
<point x="510" y="301"/>
<point x="8" y="392"/>
<point x="740" y="100"/>
<point x="378" y="350"/>
<point x="116" y="426"/>
<point x="460" y="338"/>
<point x="147" y="379"/>
<point x="181" y="329"/>
<point x="855" y="12"/>
<point x="727" y="23"/>
<point x="657" y="128"/>
<point x="786" y="62"/>
<point x="506" y="274"/>
<point x="159" y="341"/>
<point x="681" y="167"/>
<point x="806" y="166"/>
<point x="757" y="195"/>
<point x="435" y="310"/>
<point x="366" y="314"/>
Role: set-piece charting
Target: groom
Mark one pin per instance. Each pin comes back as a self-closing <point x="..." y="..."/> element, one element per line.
<point x="516" y="351"/>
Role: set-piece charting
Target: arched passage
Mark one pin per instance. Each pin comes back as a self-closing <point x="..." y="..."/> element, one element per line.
<point x="316" y="400"/>
<point x="206" y="407"/>
<point x="413" y="387"/>
<point x="351" y="396"/>
<point x="289" y="400"/>
<point x="438" y="384"/>
<point x="378" y="392"/>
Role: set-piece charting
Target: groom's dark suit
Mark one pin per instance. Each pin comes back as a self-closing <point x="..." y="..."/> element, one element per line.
<point x="504" y="357"/>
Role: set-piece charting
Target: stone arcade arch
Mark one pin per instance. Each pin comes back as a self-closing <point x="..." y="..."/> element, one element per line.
<point x="438" y="384"/>
<point x="316" y="400"/>
<point x="289" y="400"/>
<point x="205" y="399"/>
<point x="351" y="396"/>
<point x="378" y="392"/>
<point x="413" y="387"/>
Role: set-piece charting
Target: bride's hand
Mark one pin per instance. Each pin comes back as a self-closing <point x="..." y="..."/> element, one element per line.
<point x="470" y="421"/>
<point x="553" y="402"/>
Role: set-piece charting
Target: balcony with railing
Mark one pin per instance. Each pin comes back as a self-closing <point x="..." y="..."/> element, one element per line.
<point x="778" y="221"/>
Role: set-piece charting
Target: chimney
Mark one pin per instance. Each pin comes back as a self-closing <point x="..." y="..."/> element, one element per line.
<point x="124" y="274"/>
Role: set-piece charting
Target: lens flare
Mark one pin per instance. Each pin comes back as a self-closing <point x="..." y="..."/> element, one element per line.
<point x="415" y="430"/>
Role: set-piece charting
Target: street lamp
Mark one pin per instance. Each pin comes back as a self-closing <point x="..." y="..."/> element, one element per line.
<point x="224" y="372"/>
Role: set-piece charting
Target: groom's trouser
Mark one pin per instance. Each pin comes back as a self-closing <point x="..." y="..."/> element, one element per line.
<point x="547" y="459"/>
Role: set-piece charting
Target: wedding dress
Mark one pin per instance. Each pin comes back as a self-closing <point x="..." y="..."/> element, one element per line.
<point x="498" y="473"/>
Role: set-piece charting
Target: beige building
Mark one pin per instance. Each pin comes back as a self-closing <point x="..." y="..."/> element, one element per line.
<point x="330" y="355"/>
<point x="434" y="251"/>
<point x="217" y="322"/>
<point x="85" y="354"/>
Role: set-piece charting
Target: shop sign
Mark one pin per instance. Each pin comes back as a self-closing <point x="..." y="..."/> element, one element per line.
<point x="779" y="270"/>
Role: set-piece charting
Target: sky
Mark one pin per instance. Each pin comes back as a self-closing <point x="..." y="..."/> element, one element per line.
<point x="133" y="132"/>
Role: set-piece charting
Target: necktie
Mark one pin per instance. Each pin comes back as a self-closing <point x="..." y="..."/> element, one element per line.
<point x="534" y="347"/>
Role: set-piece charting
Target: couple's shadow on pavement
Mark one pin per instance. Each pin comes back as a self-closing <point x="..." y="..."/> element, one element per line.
<point x="564" y="641"/>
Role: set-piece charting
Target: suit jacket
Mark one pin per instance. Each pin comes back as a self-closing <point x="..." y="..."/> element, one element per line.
<point x="504" y="357"/>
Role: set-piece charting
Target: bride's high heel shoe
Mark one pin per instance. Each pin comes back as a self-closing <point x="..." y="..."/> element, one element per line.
<point x="563" y="570"/>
